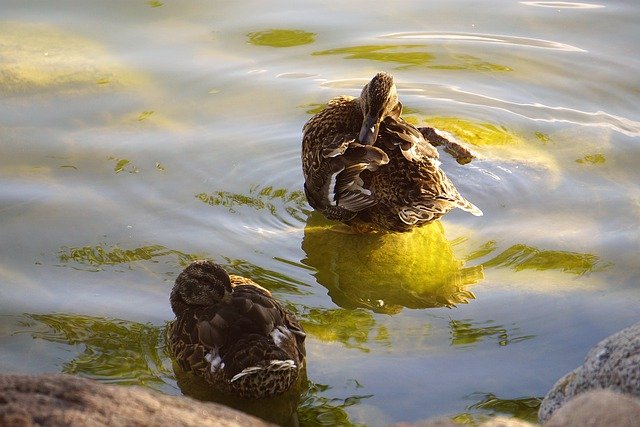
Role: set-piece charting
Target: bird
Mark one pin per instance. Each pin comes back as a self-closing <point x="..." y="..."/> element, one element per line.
<point x="365" y="166"/>
<point x="233" y="333"/>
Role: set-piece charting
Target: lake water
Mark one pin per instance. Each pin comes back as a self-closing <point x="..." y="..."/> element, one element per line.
<point x="136" y="136"/>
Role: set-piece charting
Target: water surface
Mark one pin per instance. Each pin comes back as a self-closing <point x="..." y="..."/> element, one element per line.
<point x="137" y="136"/>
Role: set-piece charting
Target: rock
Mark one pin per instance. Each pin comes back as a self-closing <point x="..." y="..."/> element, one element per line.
<point x="614" y="364"/>
<point x="62" y="400"/>
<point x="598" y="408"/>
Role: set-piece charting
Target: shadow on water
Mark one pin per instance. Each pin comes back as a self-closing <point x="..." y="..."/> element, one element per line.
<point x="123" y="352"/>
<point x="385" y="272"/>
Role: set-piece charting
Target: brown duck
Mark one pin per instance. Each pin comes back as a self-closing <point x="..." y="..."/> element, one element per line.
<point x="367" y="167"/>
<point x="233" y="333"/>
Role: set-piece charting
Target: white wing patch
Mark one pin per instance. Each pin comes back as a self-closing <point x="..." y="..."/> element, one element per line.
<point x="215" y="360"/>
<point x="332" y="187"/>
<point x="278" y="336"/>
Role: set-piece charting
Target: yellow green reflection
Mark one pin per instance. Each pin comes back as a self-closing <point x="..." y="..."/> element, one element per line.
<point x="270" y="279"/>
<point x="313" y="108"/>
<point x="489" y="405"/>
<point x="112" y="350"/>
<point x="317" y="410"/>
<point x="281" y="38"/>
<point x="260" y="198"/>
<point x="405" y="54"/>
<point x="471" y="63"/>
<point x="99" y="256"/>
<point x="123" y="165"/>
<point x="385" y="272"/>
<point x="350" y="327"/>
<point x="476" y="133"/>
<point x="542" y="137"/>
<point x="412" y="55"/>
<point x="144" y="115"/>
<point x="467" y="332"/>
<point x="594" y="159"/>
<point x="522" y="257"/>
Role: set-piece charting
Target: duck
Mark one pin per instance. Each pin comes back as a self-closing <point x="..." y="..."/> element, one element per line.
<point x="233" y="333"/>
<point x="368" y="168"/>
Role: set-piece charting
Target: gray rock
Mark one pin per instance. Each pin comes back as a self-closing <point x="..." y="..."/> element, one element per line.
<point x="63" y="400"/>
<point x="598" y="408"/>
<point x="614" y="363"/>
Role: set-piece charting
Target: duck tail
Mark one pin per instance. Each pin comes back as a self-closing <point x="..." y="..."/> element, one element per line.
<point x="467" y="206"/>
<point x="270" y="378"/>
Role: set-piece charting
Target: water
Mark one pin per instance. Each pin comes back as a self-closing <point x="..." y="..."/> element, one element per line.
<point x="139" y="135"/>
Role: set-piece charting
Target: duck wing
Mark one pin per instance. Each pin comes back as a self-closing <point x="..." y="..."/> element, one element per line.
<point x="229" y="342"/>
<point x="335" y="188"/>
<point x="397" y="133"/>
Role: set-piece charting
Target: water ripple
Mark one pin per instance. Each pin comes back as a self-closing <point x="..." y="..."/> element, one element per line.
<point x="484" y="38"/>
<point x="536" y="111"/>
<point x="562" y="4"/>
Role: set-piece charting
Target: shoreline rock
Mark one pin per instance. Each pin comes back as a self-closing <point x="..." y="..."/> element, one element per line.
<point x="63" y="400"/>
<point x="613" y="364"/>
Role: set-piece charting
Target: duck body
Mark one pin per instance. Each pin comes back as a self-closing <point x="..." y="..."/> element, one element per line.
<point x="366" y="167"/>
<point x="233" y="333"/>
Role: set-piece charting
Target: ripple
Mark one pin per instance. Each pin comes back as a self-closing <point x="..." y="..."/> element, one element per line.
<point x="484" y="38"/>
<point x="562" y="4"/>
<point x="295" y="75"/>
<point x="534" y="111"/>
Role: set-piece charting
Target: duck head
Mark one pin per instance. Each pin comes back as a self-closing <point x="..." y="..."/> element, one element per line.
<point x="378" y="100"/>
<point x="202" y="283"/>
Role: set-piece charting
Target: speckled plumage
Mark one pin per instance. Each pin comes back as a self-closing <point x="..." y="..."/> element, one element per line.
<point x="233" y="333"/>
<point x="365" y="166"/>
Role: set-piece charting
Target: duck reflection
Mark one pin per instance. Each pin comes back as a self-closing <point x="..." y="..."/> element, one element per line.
<point x="385" y="272"/>
<point x="281" y="409"/>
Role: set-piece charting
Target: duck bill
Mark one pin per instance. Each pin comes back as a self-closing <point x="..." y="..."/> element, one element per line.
<point x="369" y="131"/>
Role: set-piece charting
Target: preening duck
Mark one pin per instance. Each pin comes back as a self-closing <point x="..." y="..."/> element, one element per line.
<point x="365" y="166"/>
<point x="233" y="333"/>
